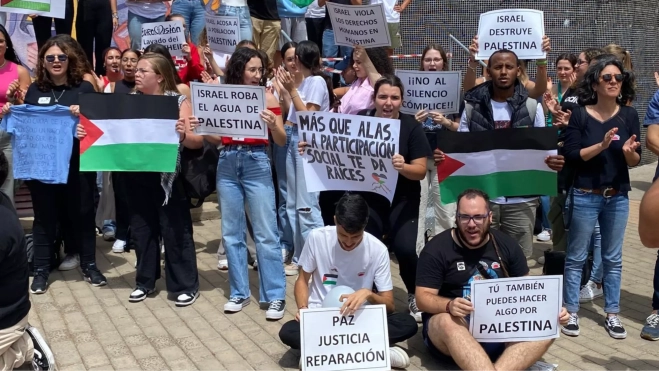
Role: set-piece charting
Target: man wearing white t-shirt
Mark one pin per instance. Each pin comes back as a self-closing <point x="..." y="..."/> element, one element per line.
<point x="346" y="255"/>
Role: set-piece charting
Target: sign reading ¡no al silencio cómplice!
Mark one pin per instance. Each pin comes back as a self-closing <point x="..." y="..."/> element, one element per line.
<point x="363" y="25"/>
<point x="170" y="34"/>
<point x="519" y="30"/>
<point x="348" y="152"/>
<point x="229" y="110"/>
<point x="223" y="33"/>
<point x="431" y="91"/>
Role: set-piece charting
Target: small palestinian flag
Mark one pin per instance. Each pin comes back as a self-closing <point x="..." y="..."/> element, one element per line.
<point x="503" y="162"/>
<point x="129" y="132"/>
<point x="330" y="279"/>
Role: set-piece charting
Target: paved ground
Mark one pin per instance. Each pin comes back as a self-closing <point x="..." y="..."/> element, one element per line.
<point x="97" y="328"/>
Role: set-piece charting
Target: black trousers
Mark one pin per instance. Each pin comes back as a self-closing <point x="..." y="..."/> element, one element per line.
<point x="69" y="206"/>
<point x="121" y="207"/>
<point x="315" y="28"/>
<point x="401" y="327"/>
<point x="94" y="30"/>
<point x="42" y="25"/>
<point x="149" y="221"/>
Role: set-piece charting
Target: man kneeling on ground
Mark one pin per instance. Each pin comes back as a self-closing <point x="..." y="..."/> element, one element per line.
<point x="447" y="265"/>
<point x="353" y="258"/>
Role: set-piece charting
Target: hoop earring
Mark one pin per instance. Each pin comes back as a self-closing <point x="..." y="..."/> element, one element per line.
<point x="620" y="96"/>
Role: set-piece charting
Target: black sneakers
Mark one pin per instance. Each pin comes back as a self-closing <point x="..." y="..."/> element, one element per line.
<point x="93" y="275"/>
<point x="39" y="282"/>
<point x="276" y="310"/>
<point x="140" y="294"/>
<point x="186" y="299"/>
<point x="614" y="327"/>
<point x="236" y="305"/>
<point x="572" y="327"/>
<point x="43" y="359"/>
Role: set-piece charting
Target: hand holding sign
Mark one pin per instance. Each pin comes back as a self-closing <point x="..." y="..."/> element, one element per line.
<point x="519" y="30"/>
<point x="460" y="307"/>
<point x="398" y="162"/>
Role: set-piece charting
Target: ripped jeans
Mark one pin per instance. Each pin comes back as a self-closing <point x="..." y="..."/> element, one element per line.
<point x="301" y="206"/>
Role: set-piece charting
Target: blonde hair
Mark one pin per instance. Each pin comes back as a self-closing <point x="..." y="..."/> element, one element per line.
<point x="162" y="67"/>
<point x="622" y="54"/>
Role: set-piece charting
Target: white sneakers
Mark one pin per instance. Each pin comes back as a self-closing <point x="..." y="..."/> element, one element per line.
<point x="119" y="246"/>
<point x="398" y="358"/>
<point x="70" y="262"/>
<point x="544" y="236"/>
<point x="590" y="292"/>
<point x="223" y="264"/>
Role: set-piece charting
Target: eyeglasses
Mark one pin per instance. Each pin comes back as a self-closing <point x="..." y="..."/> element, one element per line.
<point x="580" y="62"/>
<point x="607" y="77"/>
<point x="60" y="57"/>
<point x="142" y="71"/>
<point x="478" y="219"/>
<point x="431" y="60"/>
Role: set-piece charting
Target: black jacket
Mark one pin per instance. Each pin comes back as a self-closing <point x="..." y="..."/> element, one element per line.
<point x="481" y="115"/>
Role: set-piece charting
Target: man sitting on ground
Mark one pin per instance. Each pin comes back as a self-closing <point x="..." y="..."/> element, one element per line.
<point x="20" y="343"/>
<point x="355" y="259"/>
<point x="447" y="265"/>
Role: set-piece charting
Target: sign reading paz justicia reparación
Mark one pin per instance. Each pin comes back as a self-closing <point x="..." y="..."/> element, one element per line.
<point x="516" y="309"/>
<point x="333" y="342"/>
<point x="519" y="30"/>
<point x="349" y="153"/>
<point x="431" y="91"/>
<point x="363" y="25"/>
<point x="229" y="110"/>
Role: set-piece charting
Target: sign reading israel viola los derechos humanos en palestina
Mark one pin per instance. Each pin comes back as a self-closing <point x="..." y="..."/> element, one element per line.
<point x="364" y="25"/>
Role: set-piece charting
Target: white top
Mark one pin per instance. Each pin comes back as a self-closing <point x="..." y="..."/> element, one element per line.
<point x="389" y="12"/>
<point x="147" y="10"/>
<point x="312" y="90"/>
<point x="501" y="112"/>
<point x="331" y="266"/>
<point x="315" y="11"/>
<point x="234" y="2"/>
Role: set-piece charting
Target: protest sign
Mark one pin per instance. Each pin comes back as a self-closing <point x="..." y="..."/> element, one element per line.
<point x="431" y="91"/>
<point x="363" y="25"/>
<point x="169" y="34"/>
<point x="229" y="110"/>
<point x="519" y="30"/>
<point x="349" y="153"/>
<point x="516" y="309"/>
<point x="333" y="342"/>
<point x="223" y="33"/>
<point x="42" y="139"/>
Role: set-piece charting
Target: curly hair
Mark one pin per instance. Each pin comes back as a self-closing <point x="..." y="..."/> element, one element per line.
<point x="82" y="56"/>
<point x="237" y="63"/>
<point x="75" y="72"/>
<point x="380" y="60"/>
<point x="441" y="51"/>
<point x="585" y="91"/>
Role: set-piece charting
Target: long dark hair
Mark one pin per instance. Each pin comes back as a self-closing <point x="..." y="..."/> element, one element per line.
<point x="288" y="45"/>
<point x="392" y="80"/>
<point x="586" y="92"/>
<point x="162" y="50"/>
<point x="10" y="53"/>
<point x="567" y="57"/>
<point x="308" y="55"/>
<point x="441" y="51"/>
<point x="134" y="51"/>
<point x="237" y="63"/>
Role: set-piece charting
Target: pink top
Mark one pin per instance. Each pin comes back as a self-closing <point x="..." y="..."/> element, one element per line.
<point x="8" y="73"/>
<point x="359" y="97"/>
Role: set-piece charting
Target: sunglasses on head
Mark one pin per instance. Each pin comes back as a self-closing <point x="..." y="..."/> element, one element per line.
<point x="608" y="77"/>
<point x="60" y="57"/>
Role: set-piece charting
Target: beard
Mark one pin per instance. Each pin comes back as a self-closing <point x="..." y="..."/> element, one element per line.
<point x="482" y="235"/>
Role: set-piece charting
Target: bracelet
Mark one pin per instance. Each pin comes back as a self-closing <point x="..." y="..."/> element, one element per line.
<point x="542" y="62"/>
<point x="295" y="96"/>
<point x="303" y="307"/>
<point x="448" y="309"/>
<point x="184" y="136"/>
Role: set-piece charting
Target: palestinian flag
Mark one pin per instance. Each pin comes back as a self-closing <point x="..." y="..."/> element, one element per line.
<point x="129" y="132"/>
<point x="330" y="279"/>
<point x="504" y="162"/>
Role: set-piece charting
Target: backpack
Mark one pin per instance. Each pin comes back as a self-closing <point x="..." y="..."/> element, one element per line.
<point x="198" y="172"/>
<point x="531" y="107"/>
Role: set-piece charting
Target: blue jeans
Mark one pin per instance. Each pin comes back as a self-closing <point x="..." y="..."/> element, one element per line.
<point x="194" y="13"/>
<point x="612" y="215"/>
<point x="279" y="156"/>
<point x="244" y="175"/>
<point x="301" y="206"/>
<point x="330" y="49"/>
<point x="242" y="12"/>
<point x="544" y="201"/>
<point x="135" y="28"/>
<point x="596" y="249"/>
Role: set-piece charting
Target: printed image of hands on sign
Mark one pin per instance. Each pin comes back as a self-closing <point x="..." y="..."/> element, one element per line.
<point x="229" y="110"/>
<point x="348" y="152"/>
<point x="223" y="33"/>
<point x="519" y="30"/>
<point x="363" y="25"/>
<point x="334" y="342"/>
<point x="169" y="34"/>
<point x="516" y="309"/>
<point x="431" y="91"/>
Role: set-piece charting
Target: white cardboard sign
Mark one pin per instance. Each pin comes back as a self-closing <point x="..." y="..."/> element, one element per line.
<point x="364" y="25"/>
<point x="519" y="30"/>
<point x="332" y="342"/>
<point x="349" y="153"/>
<point x="169" y="34"/>
<point x="516" y="309"/>
<point x="432" y="91"/>
<point x="223" y="33"/>
<point x="229" y="110"/>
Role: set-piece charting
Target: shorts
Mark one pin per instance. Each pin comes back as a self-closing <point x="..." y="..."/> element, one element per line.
<point x="394" y="34"/>
<point x="493" y="350"/>
<point x="295" y="29"/>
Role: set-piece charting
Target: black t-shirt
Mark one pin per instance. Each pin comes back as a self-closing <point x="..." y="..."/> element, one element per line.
<point x="412" y="145"/>
<point x="448" y="267"/>
<point x="570" y="100"/>
<point x="265" y="10"/>
<point x="608" y="168"/>
<point x="14" y="300"/>
<point x="328" y="22"/>
<point x="124" y="87"/>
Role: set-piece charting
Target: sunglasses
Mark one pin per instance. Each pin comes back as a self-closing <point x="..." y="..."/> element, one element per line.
<point x="608" y="77"/>
<point x="60" y="57"/>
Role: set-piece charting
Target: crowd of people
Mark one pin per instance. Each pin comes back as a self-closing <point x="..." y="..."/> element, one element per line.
<point x="271" y="220"/>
